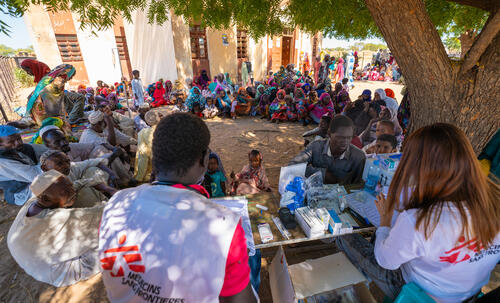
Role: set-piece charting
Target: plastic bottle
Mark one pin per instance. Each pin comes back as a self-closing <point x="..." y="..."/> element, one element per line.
<point x="373" y="177"/>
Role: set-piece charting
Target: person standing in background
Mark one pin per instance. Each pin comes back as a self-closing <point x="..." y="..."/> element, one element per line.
<point x="137" y="89"/>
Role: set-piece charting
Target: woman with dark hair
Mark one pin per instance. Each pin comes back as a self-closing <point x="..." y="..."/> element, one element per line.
<point x="445" y="235"/>
<point x="203" y="80"/>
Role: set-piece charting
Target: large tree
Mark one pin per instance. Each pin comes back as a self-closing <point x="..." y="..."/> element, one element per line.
<point x="465" y="93"/>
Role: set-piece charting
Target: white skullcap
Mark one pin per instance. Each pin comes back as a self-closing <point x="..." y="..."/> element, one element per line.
<point x="144" y="106"/>
<point x="44" y="181"/>
<point x="45" y="129"/>
<point x="96" y="117"/>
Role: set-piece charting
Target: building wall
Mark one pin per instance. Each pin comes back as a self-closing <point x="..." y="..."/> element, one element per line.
<point x="257" y="53"/>
<point x="99" y="53"/>
<point x="63" y="24"/>
<point x="222" y="58"/>
<point x="151" y="48"/>
<point x="182" y="47"/>
<point x="119" y="31"/>
<point x="42" y="35"/>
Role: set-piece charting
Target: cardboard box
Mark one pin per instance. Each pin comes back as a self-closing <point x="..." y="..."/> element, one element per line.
<point x="294" y="283"/>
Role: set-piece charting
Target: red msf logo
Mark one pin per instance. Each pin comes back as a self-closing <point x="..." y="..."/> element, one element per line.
<point x="122" y="256"/>
<point x="461" y="252"/>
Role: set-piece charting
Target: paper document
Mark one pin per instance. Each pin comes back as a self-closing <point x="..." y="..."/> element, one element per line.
<point x="364" y="204"/>
<point x="240" y="206"/>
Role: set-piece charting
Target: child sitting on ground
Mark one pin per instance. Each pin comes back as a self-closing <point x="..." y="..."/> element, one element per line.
<point x="51" y="242"/>
<point x="252" y="179"/>
<point x="197" y="110"/>
<point x="385" y="144"/>
<point x="320" y="132"/>
<point x="180" y="106"/>
<point x="368" y="137"/>
<point x="210" y="110"/>
<point x="215" y="181"/>
<point x="345" y="86"/>
<point x="291" y="112"/>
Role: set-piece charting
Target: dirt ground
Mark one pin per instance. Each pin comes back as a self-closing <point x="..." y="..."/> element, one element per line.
<point x="232" y="140"/>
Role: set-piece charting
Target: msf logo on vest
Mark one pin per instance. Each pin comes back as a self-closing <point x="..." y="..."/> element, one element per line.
<point x="116" y="259"/>
<point x="463" y="252"/>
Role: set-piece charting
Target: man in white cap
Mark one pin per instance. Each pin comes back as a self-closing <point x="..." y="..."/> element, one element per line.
<point x="18" y="165"/>
<point x="51" y="242"/>
<point x="102" y="131"/>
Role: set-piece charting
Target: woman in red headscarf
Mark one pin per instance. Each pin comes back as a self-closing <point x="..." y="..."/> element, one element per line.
<point x="159" y="95"/>
<point x="390" y="93"/>
<point x="35" y="68"/>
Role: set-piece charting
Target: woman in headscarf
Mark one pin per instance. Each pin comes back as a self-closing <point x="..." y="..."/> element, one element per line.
<point x="159" y="95"/>
<point x="380" y="95"/>
<point x="280" y="75"/>
<point x="168" y="92"/>
<point x="244" y="105"/>
<point x="277" y="102"/>
<point x="203" y="80"/>
<point x="366" y="95"/>
<point x="223" y="102"/>
<point x="339" y="71"/>
<point x="324" y="106"/>
<point x="195" y="97"/>
<point x="48" y="98"/>
<point x="260" y="91"/>
<point x="35" y="68"/>
<point x="301" y="105"/>
<point x="390" y="93"/>
<point x="341" y="100"/>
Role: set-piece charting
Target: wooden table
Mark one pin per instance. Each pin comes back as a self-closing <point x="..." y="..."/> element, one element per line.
<point x="271" y="201"/>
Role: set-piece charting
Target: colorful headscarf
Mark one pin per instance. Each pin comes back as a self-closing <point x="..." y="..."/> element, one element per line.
<point x="242" y="96"/>
<point x="390" y="93"/>
<point x="55" y="121"/>
<point x="195" y="98"/>
<point x="257" y="175"/>
<point x="67" y="71"/>
<point x="258" y="93"/>
<point x="89" y="90"/>
<point x="38" y="69"/>
<point x="368" y="93"/>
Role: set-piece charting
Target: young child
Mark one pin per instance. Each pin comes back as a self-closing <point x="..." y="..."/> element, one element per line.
<point x="197" y="110"/>
<point x="345" y="86"/>
<point x="291" y="112"/>
<point x="215" y="181"/>
<point x="385" y="144"/>
<point x="210" y="110"/>
<point x="384" y="127"/>
<point x="180" y="106"/>
<point x="279" y="109"/>
<point x="234" y="103"/>
<point x="252" y="179"/>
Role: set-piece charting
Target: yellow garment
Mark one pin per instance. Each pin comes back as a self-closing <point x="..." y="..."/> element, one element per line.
<point x="485" y="166"/>
<point x="144" y="155"/>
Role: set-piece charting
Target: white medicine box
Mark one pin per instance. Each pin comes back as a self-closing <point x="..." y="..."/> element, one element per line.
<point x="319" y="280"/>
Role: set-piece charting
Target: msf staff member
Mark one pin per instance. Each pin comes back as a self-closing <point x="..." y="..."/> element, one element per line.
<point x="166" y="241"/>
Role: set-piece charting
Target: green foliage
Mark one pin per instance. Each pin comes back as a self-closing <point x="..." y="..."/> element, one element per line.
<point x="452" y="43"/>
<point x="9" y="51"/>
<point x="6" y="51"/>
<point x="343" y="19"/>
<point x="23" y="78"/>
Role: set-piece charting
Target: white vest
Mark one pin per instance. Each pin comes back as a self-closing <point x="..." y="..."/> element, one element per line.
<point x="162" y="244"/>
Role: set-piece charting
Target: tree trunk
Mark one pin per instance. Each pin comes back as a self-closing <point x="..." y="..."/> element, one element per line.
<point x="438" y="91"/>
<point x="466" y="40"/>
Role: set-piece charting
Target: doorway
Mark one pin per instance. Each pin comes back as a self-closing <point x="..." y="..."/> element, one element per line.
<point x="199" y="50"/>
<point x="286" y="50"/>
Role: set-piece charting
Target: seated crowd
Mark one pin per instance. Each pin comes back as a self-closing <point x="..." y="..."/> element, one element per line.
<point x="129" y="197"/>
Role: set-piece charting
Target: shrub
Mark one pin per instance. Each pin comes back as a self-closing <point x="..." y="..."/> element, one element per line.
<point x="23" y="78"/>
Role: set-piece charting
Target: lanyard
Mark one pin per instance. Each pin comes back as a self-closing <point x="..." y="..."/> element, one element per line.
<point x="194" y="187"/>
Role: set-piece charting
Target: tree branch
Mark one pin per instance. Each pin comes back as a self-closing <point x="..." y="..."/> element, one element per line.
<point x="488" y="33"/>
<point x="486" y="5"/>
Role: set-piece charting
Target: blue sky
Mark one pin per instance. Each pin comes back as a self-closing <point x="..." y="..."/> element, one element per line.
<point x="19" y="37"/>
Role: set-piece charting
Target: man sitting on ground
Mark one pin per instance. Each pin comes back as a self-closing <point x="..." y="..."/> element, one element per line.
<point x="18" y="165"/>
<point x="52" y="243"/>
<point x="144" y="156"/>
<point x="338" y="160"/>
<point x="90" y="182"/>
<point x="190" y="249"/>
